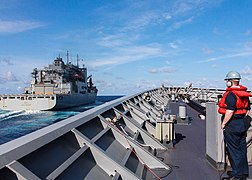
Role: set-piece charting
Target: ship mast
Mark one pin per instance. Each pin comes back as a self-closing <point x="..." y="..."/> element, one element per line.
<point x="77" y="60"/>
<point x="67" y="57"/>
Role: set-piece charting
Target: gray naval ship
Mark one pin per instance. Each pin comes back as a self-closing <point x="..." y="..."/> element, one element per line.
<point x="57" y="86"/>
<point x="168" y="133"/>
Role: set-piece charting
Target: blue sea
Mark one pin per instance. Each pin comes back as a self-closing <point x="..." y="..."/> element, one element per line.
<point x="14" y="124"/>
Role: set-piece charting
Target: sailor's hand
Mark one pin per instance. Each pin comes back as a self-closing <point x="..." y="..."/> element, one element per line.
<point x="223" y="125"/>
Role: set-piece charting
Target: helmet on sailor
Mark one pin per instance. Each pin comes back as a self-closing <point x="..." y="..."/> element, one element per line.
<point x="233" y="75"/>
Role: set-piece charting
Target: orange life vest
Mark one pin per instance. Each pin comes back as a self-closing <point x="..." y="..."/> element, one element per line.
<point x="242" y="101"/>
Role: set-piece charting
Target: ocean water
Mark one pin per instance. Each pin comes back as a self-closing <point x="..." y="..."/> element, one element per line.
<point x="14" y="124"/>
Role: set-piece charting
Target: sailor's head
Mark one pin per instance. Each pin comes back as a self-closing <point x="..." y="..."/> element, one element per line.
<point x="232" y="78"/>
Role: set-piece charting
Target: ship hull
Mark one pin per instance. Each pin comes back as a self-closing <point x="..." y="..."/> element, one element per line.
<point x="68" y="101"/>
<point x="45" y="102"/>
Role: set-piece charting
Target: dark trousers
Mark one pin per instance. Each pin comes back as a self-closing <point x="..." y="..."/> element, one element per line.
<point x="235" y="139"/>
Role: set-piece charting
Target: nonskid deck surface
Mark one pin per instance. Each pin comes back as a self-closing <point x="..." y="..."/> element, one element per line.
<point x="188" y="157"/>
<point x="114" y="141"/>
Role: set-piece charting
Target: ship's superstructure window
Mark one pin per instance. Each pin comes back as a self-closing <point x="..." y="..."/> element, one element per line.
<point x="47" y="81"/>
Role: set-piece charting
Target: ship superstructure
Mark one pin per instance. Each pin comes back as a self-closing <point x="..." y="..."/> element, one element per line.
<point x="57" y="86"/>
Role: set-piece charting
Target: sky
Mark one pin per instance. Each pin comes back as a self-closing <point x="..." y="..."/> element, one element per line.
<point x="128" y="45"/>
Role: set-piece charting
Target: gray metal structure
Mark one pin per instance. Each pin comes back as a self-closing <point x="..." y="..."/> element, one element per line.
<point x="116" y="140"/>
<point x="215" y="150"/>
<point x="57" y="86"/>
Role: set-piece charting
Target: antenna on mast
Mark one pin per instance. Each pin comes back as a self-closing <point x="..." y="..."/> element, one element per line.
<point x="67" y="57"/>
<point x="77" y="60"/>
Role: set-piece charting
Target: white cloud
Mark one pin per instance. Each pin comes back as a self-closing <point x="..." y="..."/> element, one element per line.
<point x="214" y="66"/>
<point x="126" y="55"/>
<point x="183" y="12"/>
<point x="102" y="85"/>
<point x="184" y="7"/>
<point x="18" y="26"/>
<point x="142" y="21"/>
<point x="6" y="61"/>
<point x="10" y="76"/>
<point x="248" y="32"/>
<point x="226" y="57"/>
<point x="173" y="45"/>
<point x="246" y="71"/>
<point x="144" y="85"/>
<point x="166" y="69"/>
<point x="167" y="16"/>
<point x="20" y="89"/>
<point x="207" y="50"/>
<point x="7" y="77"/>
<point x="153" y="70"/>
<point x="178" y="13"/>
<point x="218" y="31"/>
<point x="247" y="79"/>
<point x="113" y="40"/>
<point x="248" y="45"/>
<point x="179" y="24"/>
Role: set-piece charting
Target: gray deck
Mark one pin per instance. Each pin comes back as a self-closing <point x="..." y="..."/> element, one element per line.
<point x="188" y="157"/>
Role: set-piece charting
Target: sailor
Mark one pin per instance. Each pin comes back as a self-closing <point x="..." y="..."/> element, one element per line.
<point x="234" y="107"/>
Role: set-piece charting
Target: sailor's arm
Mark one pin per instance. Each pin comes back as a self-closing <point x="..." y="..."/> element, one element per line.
<point x="249" y="108"/>
<point x="231" y="106"/>
<point x="227" y="117"/>
<point x="247" y="113"/>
